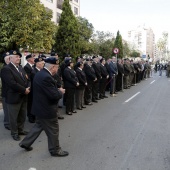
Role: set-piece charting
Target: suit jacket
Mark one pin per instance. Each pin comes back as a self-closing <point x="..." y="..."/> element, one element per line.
<point x="104" y="72"/>
<point x="96" y="67"/>
<point x="90" y="73"/>
<point x="70" y="78"/>
<point x="120" y="69"/>
<point x="81" y="77"/>
<point x="113" y="69"/>
<point x="28" y="69"/>
<point x="16" y="83"/>
<point x="46" y="95"/>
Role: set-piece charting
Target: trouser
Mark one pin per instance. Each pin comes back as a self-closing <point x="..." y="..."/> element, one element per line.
<point x="79" y="97"/>
<point x="70" y="93"/>
<point x="112" y="84"/>
<point x="6" y="114"/>
<point x="17" y="115"/>
<point x="51" y="128"/>
<point x="88" y="93"/>
<point x="95" y="90"/>
<point x="102" y="87"/>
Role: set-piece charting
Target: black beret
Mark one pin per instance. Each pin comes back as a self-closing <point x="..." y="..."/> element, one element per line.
<point x="36" y="60"/>
<point x="29" y="56"/>
<point x="15" y="52"/>
<point x="5" y="54"/>
<point x="68" y="61"/>
<point x="101" y="60"/>
<point x="53" y="53"/>
<point x="94" y="57"/>
<point x="51" y="60"/>
<point x="79" y="64"/>
<point x="42" y="56"/>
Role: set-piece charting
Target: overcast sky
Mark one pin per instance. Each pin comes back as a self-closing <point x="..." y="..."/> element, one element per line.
<point x="124" y="15"/>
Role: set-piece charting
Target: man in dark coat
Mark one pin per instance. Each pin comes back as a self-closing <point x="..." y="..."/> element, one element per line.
<point x="28" y="69"/>
<point x="3" y="93"/>
<point x="46" y="96"/>
<point x="105" y="76"/>
<point x="18" y="88"/>
<point x="91" y="78"/>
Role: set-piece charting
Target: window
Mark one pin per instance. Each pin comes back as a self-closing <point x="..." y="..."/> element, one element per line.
<point x="59" y="4"/>
<point x="75" y="11"/>
<point x="58" y="17"/>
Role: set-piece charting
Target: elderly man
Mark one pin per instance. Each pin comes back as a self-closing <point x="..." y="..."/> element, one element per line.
<point x="28" y="69"/>
<point x="18" y="88"/>
<point x="46" y="96"/>
<point x="3" y="93"/>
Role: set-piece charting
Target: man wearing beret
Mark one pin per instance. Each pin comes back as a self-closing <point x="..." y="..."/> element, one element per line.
<point x="28" y="69"/>
<point x="3" y="93"/>
<point x="46" y="96"/>
<point x="18" y="88"/>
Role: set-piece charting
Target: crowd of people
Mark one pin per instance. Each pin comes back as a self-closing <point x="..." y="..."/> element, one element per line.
<point x="34" y="91"/>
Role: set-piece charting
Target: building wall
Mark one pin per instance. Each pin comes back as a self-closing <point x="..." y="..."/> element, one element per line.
<point x="56" y="7"/>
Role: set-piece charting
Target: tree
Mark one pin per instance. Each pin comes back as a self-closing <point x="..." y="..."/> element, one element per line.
<point x="118" y="44"/>
<point x="134" y="54"/>
<point x="25" y="24"/>
<point x="67" y="36"/>
<point x="102" y="44"/>
<point x="85" y="34"/>
<point x="126" y="49"/>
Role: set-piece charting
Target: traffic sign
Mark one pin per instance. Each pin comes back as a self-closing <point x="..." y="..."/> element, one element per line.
<point x="116" y="50"/>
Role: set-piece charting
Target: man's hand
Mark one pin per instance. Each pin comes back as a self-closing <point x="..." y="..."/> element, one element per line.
<point x="27" y="90"/>
<point x="62" y="90"/>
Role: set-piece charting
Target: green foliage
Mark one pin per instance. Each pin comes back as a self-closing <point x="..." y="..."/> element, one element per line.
<point x="102" y="44"/>
<point x="67" y="37"/>
<point x="25" y="24"/>
<point x="85" y="34"/>
<point x="134" y="54"/>
<point x="119" y="44"/>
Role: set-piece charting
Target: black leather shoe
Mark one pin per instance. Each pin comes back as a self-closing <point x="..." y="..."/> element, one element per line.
<point x="74" y="111"/>
<point x="31" y="120"/>
<point x="69" y="113"/>
<point x="90" y="103"/>
<point x="8" y="128"/>
<point x="60" y="153"/>
<point x="95" y="101"/>
<point x="23" y="133"/>
<point x="97" y="98"/>
<point x="79" y="108"/>
<point x="26" y="148"/>
<point x="105" y="96"/>
<point x="16" y="137"/>
<point x="83" y="107"/>
<point x="60" y="117"/>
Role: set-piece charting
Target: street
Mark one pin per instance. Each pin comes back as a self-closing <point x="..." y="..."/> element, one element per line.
<point x="127" y="132"/>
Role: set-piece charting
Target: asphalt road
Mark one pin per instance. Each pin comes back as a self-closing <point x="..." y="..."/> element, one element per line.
<point x="127" y="132"/>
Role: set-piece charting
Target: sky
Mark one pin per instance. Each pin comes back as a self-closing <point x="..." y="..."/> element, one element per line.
<point x="125" y="15"/>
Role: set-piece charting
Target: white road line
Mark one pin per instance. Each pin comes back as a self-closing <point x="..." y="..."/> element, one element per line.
<point x="132" y="97"/>
<point x="152" y="82"/>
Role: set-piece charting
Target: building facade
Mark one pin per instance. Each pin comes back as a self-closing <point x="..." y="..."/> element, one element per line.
<point x="143" y="40"/>
<point x="56" y="7"/>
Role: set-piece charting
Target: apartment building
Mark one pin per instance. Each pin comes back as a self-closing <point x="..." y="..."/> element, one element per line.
<point x="143" y="39"/>
<point x="56" y="7"/>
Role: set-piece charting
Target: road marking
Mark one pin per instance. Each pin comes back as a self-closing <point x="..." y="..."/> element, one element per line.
<point x="152" y="82"/>
<point x="132" y="97"/>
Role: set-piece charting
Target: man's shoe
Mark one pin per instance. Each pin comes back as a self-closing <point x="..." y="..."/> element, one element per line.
<point x="60" y="153"/>
<point x="79" y="108"/>
<point x="60" y="117"/>
<point x="60" y="106"/>
<point x="105" y="96"/>
<point x="95" y="101"/>
<point x="8" y="128"/>
<point x="31" y="120"/>
<point x="26" y="148"/>
<point x="23" y="133"/>
<point x="97" y="98"/>
<point x="83" y="107"/>
<point x="74" y="111"/>
<point x="16" y="137"/>
<point x="69" y="113"/>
